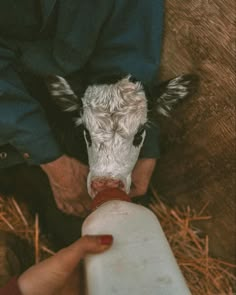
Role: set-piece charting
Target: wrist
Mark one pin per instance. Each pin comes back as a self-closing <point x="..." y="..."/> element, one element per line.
<point x="47" y="167"/>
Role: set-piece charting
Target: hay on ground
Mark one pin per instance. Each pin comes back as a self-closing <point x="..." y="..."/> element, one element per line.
<point x="205" y="275"/>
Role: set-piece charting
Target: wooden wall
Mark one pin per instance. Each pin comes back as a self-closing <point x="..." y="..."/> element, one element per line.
<point x="198" y="144"/>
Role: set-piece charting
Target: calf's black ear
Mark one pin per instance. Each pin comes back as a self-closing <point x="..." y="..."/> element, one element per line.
<point x="63" y="95"/>
<point x="168" y="94"/>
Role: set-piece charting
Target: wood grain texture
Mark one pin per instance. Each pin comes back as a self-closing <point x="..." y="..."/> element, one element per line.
<point x="198" y="142"/>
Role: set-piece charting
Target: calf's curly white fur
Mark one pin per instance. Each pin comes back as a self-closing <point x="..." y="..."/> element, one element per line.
<point x="114" y="117"/>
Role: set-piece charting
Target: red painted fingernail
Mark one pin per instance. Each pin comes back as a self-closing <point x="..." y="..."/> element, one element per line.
<point x="106" y="239"/>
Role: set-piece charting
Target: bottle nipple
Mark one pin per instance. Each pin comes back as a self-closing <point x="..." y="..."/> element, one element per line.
<point x="108" y="195"/>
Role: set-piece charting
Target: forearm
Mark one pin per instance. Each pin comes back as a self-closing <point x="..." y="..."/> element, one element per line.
<point x="23" y="125"/>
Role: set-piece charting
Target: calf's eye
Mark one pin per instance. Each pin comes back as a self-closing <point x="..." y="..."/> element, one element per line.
<point x="138" y="137"/>
<point x="87" y="137"/>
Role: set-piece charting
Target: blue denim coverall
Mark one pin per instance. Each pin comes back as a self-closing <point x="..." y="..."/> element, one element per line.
<point x="43" y="37"/>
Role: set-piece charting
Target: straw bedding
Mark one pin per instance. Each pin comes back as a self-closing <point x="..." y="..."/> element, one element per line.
<point x="204" y="274"/>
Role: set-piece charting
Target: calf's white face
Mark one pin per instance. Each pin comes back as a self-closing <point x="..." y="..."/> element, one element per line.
<point x="114" y="117"/>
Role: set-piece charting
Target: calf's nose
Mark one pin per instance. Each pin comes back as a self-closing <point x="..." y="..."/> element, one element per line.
<point x="99" y="184"/>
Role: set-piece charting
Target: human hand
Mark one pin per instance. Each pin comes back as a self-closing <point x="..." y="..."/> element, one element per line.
<point x="141" y="177"/>
<point x="68" y="180"/>
<point x="60" y="274"/>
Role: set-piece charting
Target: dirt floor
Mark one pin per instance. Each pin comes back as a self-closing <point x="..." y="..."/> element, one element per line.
<point x="198" y="144"/>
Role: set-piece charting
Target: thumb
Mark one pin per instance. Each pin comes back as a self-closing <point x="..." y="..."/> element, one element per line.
<point x="88" y="244"/>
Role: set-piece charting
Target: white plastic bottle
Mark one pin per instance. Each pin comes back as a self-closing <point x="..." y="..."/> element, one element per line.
<point x="140" y="261"/>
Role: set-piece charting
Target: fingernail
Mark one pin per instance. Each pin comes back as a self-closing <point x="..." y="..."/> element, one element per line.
<point x="106" y="239"/>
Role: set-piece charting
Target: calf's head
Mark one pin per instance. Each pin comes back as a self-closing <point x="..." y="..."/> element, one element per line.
<point x="114" y="118"/>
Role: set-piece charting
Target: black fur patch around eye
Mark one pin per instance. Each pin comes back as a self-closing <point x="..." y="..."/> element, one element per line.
<point x="138" y="136"/>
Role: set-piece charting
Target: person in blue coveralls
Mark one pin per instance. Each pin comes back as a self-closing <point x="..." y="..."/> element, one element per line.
<point x="96" y="37"/>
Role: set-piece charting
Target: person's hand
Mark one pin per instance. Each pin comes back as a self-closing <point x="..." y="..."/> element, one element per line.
<point x="68" y="180"/>
<point x="60" y="273"/>
<point x="141" y="177"/>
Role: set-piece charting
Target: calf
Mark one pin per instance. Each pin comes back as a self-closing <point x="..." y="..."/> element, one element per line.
<point x="114" y="119"/>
